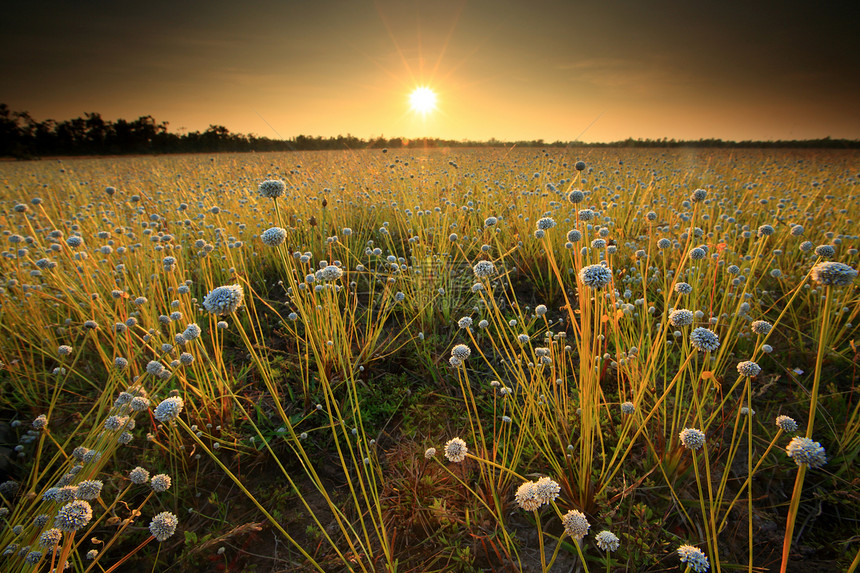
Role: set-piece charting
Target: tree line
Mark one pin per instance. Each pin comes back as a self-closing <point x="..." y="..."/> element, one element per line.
<point x="23" y="137"/>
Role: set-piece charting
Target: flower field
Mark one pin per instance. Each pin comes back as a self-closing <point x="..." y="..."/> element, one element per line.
<point x="442" y="360"/>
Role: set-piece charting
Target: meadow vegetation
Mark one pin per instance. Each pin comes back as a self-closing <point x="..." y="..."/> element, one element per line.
<point x="443" y="360"/>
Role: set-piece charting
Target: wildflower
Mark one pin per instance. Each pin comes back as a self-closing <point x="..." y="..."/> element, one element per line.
<point x="805" y="451"/>
<point x="169" y="409"/>
<point x="694" y="558"/>
<point x="90" y="489"/>
<point x="92" y="554"/>
<point x="455" y="450"/>
<point x="595" y="276"/>
<point x="627" y="408"/>
<point x="664" y="244"/>
<point x="806" y="246"/>
<point x="273" y="236"/>
<point x="224" y="299"/>
<point x="546" y="490"/>
<point x="40" y="422"/>
<point x="574" y="235"/>
<point x="607" y="541"/>
<point x="51" y="537"/>
<point x="64" y="350"/>
<point x="683" y="288"/>
<point x="272" y="189"/>
<point x="154" y="368"/>
<point x="786" y="424"/>
<point x="697" y="254"/>
<point x="545" y="223"/>
<point x="681" y="317"/>
<point x="575" y="524"/>
<point x="765" y="231"/>
<point x="163" y="526"/>
<point x="160" y="483"/>
<point x="526" y="496"/>
<point x="796" y="230"/>
<point x="540" y="310"/>
<point x="191" y="332"/>
<point x="490" y="221"/>
<point x="464" y="322"/>
<point x="73" y="516"/>
<point x="761" y="327"/>
<point x="749" y="368"/>
<point x="747" y="411"/>
<point x="461" y="352"/>
<point x="698" y="195"/>
<point x="430" y="453"/>
<point x="33" y="557"/>
<point x="704" y="340"/>
<point x="484" y="269"/>
<point x="576" y="196"/>
<point x="691" y="438"/>
<point x="825" y="251"/>
<point x="833" y="274"/>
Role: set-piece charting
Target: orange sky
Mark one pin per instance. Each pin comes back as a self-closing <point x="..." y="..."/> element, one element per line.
<point x="595" y="71"/>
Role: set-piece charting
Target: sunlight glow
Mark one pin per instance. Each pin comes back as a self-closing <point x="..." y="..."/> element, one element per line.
<point x="422" y="100"/>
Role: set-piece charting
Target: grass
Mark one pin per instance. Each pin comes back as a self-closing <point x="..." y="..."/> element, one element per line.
<point x="311" y="415"/>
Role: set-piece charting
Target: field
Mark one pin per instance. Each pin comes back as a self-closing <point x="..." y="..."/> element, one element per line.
<point x="449" y="360"/>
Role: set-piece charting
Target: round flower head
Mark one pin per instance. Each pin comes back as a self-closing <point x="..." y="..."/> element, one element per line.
<point x="698" y="195"/>
<point x="546" y="490"/>
<point x="484" y="269"/>
<point x="272" y="189"/>
<point x="576" y="196"/>
<point x="805" y="451"/>
<point x="526" y="496"/>
<point x="51" y="537"/>
<point x="575" y="524"/>
<point x="761" y="327"/>
<point x="595" y="276"/>
<point x="748" y="368"/>
<point x="704" y="340"/>
<point x="765" y="231"/>
<point x="664" y="244"/>
<point x="73" y="516"/>
<point x="786" y="424"/>
<point x="456" y="450"/>
<point x="545" y="223"/>
<point x="681" y="317"/>
<point x="273" y="236"/>
<point x="574" y="236"/>
<point x="163" y="526"/>
<point x="607" y="541"/>
<point x="540" y="310"/>
<point x="430" y="453"/>
<point x="40" y="422"/>
<point x="683" y="288"/>
<point x="825" y="251"/>
<point x="224" y="299"/>
<point x="461" y="352"/>
<point x="627" y="408"/>
<point x="692" y="438"/>
<point x="90" y="489"/>
<point x="169" y="409"/>
<point x="138" y="476"/>
<point x="694" y="558"/>
<point x="465" y="322"/>
<point x="833" y="274"/>
<point x="698" y="254"/>
<point x="160" y="483"/>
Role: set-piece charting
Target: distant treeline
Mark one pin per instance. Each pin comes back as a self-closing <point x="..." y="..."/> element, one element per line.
<point x="23" y="137"/>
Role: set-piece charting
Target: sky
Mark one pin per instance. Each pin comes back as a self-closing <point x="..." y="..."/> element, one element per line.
<point x="505" y="69"/>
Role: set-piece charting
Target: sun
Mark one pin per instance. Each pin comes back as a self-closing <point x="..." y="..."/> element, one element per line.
<point x="423" y="100"/>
